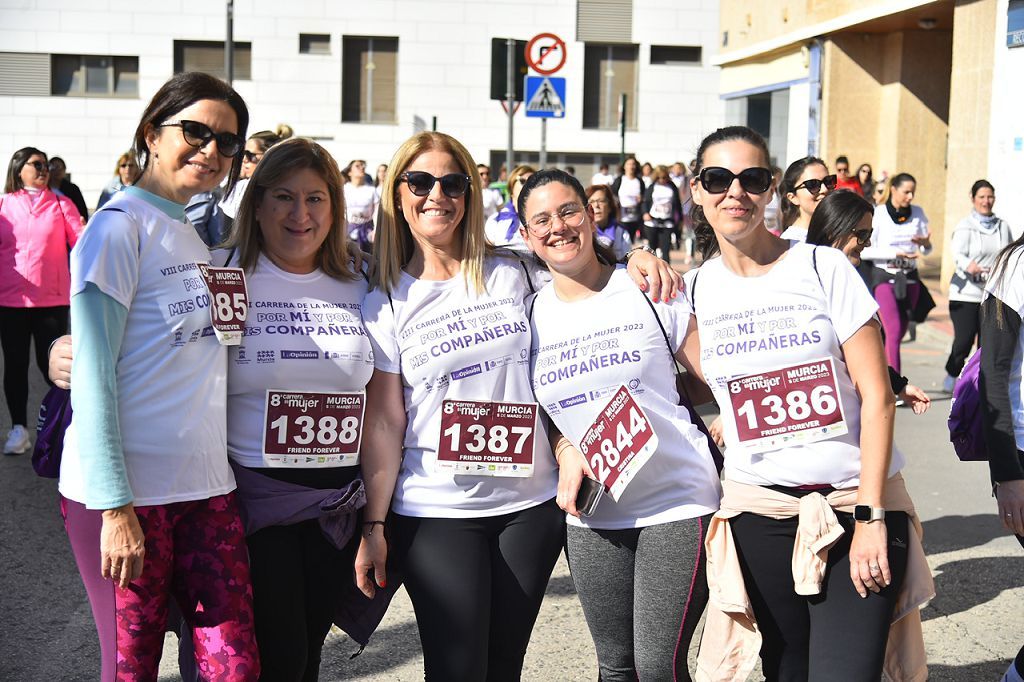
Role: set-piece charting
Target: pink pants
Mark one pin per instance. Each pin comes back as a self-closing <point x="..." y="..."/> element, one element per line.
<point x="894" y="316"/>
<point x="195" y="553"/>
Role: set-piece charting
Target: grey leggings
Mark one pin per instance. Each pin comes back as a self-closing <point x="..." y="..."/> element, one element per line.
<point x="643" y="590"/>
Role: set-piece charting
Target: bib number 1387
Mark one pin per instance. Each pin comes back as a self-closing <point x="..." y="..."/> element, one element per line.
<point x="485" y="438"/>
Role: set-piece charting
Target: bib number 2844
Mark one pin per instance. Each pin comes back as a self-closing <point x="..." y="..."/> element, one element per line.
<point x="619" y="442"/>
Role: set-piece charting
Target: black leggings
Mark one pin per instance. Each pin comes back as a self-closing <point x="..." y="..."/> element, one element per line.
<point x="660" y="239"/>
<point x="811" y="638"/>
<point x="966" y="325"/>
<point x="476" y="586"/>
<point x="19" y="326"/>
<point x="297" y="577"/>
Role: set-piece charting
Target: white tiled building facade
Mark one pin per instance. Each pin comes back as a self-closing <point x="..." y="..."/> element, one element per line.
<point x="76" y="74"/>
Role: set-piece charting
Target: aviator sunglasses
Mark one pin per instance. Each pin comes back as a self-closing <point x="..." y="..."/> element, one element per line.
<point x="198" y="135"/>
<point x="814" y="185"/>
<point x="454" y="185"/>
<point x="717" y="180"/>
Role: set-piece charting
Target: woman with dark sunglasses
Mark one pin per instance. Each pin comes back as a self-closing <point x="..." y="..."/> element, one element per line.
<point x="146" y="490"/>
<point x="805" y="183"/>
<point x="255" y="147"/>
<point x="453" y="445"/>
<point x="37" y="227"/>
<point x="790" y="348"/>
<point x="899" y="237"/>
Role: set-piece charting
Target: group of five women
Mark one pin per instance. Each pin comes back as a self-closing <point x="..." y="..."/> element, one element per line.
<point x="383" y="422"/>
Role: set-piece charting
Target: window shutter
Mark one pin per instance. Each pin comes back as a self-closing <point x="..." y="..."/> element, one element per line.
<point x="24" y="73"/>
<point x="606" y="21"/>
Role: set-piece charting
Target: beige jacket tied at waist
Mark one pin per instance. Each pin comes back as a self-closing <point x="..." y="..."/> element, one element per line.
<point x="731" y="641"/>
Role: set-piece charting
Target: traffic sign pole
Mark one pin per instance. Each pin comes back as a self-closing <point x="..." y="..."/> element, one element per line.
<point x="510" y="96"/>
<point x="543" y="143"/>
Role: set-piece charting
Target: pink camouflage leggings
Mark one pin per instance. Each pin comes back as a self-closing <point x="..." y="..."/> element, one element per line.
<point x="195" y="553"/>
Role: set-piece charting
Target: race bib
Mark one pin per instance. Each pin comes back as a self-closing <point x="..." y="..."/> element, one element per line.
<point x="309" y="430"/>
<point x="229" y="302"/>
<point x="484" y="438"/>
<point x="630" y="214"/>
<point x="661" y="210"/>
<point x="619" y="443"/>
<point x="789" y="406"/>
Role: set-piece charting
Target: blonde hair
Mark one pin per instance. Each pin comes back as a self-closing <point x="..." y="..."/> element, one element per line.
<point x="395" y="245"/>
<point x="516" y="177"/>
<point x="336" y="254"/>
<point x="125" y="158"/>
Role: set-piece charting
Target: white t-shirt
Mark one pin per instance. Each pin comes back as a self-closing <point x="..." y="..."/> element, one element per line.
<point x="888" y="239"/>
<point x="360" y="203"/>
<point x="448" y="342"/>
<point x="303" y="333"/>
<point x="602" y="178"/>
<point x="661" y="203"/>
<point x="1008" y="286"/>
<point x="171" y="371"/>
<point x="502" y="229"/>
<point x="794" y="233"/>
<point x="811" y="319"/>
<point x="583" y="352"/>
<point x="232" y="201"/>
<point x="492" y="200"/>
<point x="630" y="193"/>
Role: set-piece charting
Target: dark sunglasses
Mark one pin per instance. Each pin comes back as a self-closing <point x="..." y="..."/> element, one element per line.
<point x="39" y="166"/>
<point x="251" y="157"/>
<point x="127" y="164"/>
<point x="814" y="185"/>
<point x="199" y="135"/>
<point x="454" y="185"/>
<point x="717" y="180"/>
<point x="863" y="237"/>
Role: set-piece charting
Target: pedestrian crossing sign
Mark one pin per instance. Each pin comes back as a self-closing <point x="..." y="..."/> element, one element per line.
<point x="545" y="97"/>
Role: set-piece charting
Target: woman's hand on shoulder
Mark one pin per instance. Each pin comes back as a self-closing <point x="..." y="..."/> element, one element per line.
<point x="664" y="282"/>
<point x="60" y="362"/>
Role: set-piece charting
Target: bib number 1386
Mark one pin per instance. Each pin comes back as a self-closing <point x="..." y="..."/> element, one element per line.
<point x="796" y="406"/>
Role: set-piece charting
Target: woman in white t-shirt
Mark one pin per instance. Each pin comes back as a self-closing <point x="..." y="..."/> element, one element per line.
<point x="661" y="212"/>
<point x="899" y="236"/>
<point x="1002" y="395"/>
<point x="790" y="348"/>
<point x="805" y="183"/>
<point x="147" y="493"/>
<point x="360" y="204"/>
<point x="629" y="190"/>
<point x="453" y="444"/>
<point x="295" y="405"/>
<point x="637" y="560"/>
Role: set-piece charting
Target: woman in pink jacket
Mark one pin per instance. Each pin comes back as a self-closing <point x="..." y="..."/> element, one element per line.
<point x="37" y="230"/>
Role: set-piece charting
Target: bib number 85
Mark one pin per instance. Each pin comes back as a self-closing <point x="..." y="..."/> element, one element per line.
<point x="495" y="440"/>
<point x="610" y="455"/>
<point x="230" y="306"/>
<point x="797" y="406"/>
<point x="326" y="431"/>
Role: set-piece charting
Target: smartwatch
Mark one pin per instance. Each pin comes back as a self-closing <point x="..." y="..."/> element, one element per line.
<point x="865" y="513"/>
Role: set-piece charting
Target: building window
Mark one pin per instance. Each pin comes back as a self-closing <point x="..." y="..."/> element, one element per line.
<point x="208" y="56"/>
<point x="86" y="75"/>
<point x="608" y="72"/>
<point x="369" y="69"/>
<point x="674" y="55"/>
<point x="606" y="21"/>
<point x="25" y="74"/>
<point x="314" y="43"/>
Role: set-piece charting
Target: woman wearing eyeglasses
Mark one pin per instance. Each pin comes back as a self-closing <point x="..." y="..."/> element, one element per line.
<point x="790" y="348"/>
<point x="37" y="227"/>
<point x="452" y="444"/>
<point x="126" y="172"/>
<point x="805" y="183"/>
<point x="610" y="233"/>
<point x="900" y="235"/>
<point x="146" y="490"/>
<point x="636" y="559"/>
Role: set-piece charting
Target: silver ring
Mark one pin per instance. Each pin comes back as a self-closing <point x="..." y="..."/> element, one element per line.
<point x="1009" y="515"/>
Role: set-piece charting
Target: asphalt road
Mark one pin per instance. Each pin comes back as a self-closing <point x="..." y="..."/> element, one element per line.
<point x="973" y="628"/>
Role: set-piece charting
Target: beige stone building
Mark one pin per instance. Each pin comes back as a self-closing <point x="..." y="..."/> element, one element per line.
<point x="933" y="88"/>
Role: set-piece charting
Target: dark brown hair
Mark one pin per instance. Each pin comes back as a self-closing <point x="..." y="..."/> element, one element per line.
<point x="18" y="161"/>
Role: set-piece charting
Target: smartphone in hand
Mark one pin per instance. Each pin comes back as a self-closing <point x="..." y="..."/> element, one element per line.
<point x="588" y="496"/>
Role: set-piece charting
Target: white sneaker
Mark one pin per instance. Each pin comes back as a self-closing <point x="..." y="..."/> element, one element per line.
<point x="17" y="441"/>
<point x="948" y="384"/>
